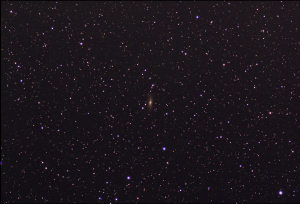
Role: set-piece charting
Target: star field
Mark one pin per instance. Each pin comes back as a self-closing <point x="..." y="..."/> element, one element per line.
<point x="150" y="102"/>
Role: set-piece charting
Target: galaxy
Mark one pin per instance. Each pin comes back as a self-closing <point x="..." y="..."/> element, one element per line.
<point x="150" y="102"/>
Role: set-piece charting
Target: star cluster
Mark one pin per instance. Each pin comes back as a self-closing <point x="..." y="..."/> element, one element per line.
<point x="150" y="102"/>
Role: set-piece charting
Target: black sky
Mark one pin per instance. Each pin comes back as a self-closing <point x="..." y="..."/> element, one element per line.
<point x="77" y="79"/>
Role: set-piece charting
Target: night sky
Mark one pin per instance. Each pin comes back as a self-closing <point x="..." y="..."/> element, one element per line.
<point x="150" y="101"/>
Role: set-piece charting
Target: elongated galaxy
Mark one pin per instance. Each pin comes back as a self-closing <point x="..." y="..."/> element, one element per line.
<point x="150" y="102"/>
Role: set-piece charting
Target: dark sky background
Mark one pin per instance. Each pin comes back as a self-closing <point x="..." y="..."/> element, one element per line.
<point x="77" y="79"/>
